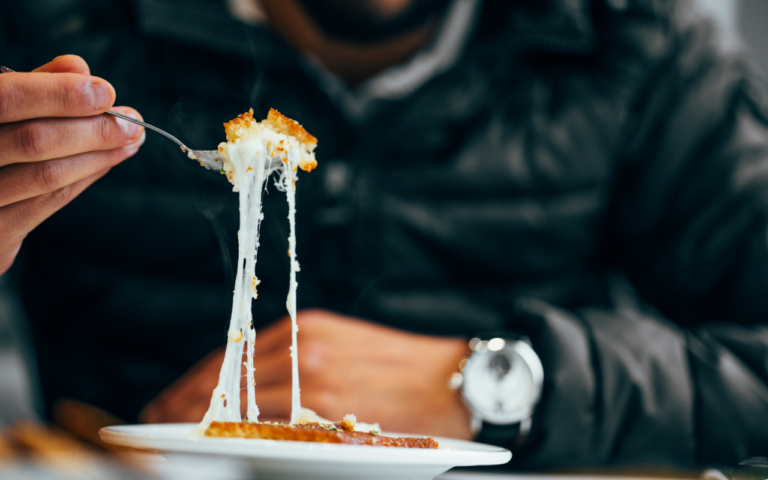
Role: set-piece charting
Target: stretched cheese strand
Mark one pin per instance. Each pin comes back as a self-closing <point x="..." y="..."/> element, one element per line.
<point x="245" y="159"/>
<point x="289" y="181"/>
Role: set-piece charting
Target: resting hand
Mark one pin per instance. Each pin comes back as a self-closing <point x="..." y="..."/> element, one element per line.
<point x="54" y="143"/>
<point x="346" y="365"/>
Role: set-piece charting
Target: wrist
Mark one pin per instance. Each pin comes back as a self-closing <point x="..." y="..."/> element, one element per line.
<point x="500" y="382"/>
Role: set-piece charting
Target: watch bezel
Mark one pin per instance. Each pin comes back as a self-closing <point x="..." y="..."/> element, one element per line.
<point x="532" y="361"/>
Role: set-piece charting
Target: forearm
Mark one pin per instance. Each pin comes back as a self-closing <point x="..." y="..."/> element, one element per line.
<point x="624" y="387"/>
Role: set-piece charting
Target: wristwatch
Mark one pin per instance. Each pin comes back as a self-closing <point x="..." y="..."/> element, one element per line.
<point x="500" y="382"/>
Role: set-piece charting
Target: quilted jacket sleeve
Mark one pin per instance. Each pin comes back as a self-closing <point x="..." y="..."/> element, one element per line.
<point x="624" y="386"/>
<point x="690" y="228"/>
<point x="685" y="382"/>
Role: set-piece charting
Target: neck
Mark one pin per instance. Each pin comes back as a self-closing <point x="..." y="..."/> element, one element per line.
<point x="352" y="62"/>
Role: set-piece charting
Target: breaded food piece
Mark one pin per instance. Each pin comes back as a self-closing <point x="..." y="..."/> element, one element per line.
<point x="348" y="423"/>
<point x="282" y="124"/>
<point x="244" y="125"/>
<point x="239" y="125"/>
<point x="313" y="432"/>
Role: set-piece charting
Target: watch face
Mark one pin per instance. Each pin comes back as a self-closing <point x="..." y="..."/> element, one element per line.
<point x="500" y="385"/>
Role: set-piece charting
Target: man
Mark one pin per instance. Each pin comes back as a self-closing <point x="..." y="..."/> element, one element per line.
<point x="522" y="168"/>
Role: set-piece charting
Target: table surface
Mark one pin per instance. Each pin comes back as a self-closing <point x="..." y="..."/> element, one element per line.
<point x="463" y="475"/>
<point x="158" y="468"/>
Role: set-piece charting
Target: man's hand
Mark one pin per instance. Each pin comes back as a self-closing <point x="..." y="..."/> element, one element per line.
<point x="346" y="365"/>
<point x="54" y="143"/>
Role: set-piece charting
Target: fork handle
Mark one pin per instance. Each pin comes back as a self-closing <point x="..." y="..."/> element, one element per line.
<point x="146" y="125"/>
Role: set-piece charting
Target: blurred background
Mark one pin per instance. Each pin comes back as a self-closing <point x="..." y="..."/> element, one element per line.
<point x="20" y="398"/>
<point x="752" y="21"/>
<point x="19" y="392"/>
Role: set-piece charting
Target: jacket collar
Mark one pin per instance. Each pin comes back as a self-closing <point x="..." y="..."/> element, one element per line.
<point x="544" y="25"/>
<point x="550" y="25"/>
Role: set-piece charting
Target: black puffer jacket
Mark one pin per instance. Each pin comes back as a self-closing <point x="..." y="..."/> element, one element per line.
<point x="577" y="154"/>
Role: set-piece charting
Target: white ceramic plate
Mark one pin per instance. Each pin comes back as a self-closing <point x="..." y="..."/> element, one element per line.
<point x="271" y="459"/>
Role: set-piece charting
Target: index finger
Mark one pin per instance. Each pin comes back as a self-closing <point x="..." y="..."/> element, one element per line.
<point x="65" y="64"/>
<point x="25" y="96"/>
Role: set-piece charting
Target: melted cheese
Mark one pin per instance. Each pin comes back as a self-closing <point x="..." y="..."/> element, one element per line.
<point x="247" y="153"/>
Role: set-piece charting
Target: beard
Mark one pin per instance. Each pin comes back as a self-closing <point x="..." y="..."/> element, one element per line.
<point x="360" y="21"/>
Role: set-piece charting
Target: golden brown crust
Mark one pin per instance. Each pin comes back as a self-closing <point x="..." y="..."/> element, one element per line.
<point x="244" y="120"/>
<point x="347" y="425"/>
<point x="312" y="432"/>
<point x="307" y="166"/>
<point x="282" y="124"/>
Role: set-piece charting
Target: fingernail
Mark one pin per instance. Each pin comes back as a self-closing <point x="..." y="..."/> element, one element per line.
<point x="101" y="97"/>
<point x="131" y="129"/>
<point x="132" y="148"/>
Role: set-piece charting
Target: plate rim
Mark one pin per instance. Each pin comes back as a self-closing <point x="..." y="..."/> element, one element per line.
<point x="282" y="450"/>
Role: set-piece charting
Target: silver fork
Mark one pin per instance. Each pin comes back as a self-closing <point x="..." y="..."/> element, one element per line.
<point x="210" y="159"/>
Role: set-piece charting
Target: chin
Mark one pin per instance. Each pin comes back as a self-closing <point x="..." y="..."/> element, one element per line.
<point x="371" y="21"/>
